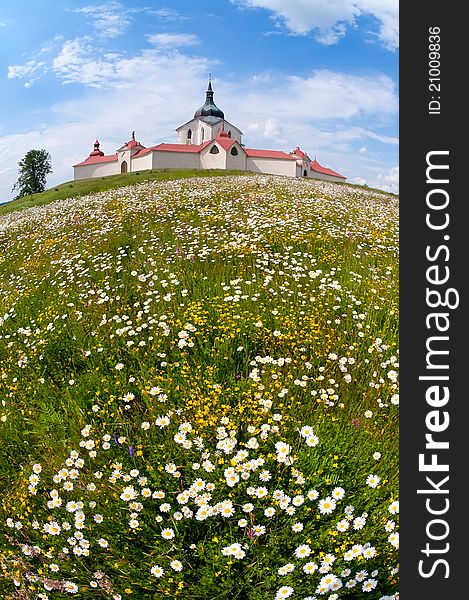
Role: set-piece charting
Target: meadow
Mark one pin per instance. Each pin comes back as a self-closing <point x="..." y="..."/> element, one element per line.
<point x="199" y="393"/>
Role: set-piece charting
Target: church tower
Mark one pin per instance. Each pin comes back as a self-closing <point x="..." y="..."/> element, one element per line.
<point x="208" y="121"/>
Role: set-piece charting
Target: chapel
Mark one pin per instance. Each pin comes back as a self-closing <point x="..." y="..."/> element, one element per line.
<point x="207" y="141"/>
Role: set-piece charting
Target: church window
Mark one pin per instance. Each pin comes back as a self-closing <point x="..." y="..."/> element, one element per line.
<point x="189" y="135"/>
<point x="124" y="167"/>
<point x="214" y="150"/>
<point x="234" y="151"/>
<point x="305" y="173"/>
<point x="229" y="134"/>
<point x="203" y="134"/>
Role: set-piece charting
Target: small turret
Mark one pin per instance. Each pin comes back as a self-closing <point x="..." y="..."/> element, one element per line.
<point x="96" y="151"/>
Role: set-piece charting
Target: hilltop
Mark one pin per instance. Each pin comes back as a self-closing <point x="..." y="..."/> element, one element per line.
<point x="199" y="386"/>
<point x="83" y="187"/>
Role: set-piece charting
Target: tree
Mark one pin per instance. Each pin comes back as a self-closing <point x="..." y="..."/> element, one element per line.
<point x="33" y="171"/>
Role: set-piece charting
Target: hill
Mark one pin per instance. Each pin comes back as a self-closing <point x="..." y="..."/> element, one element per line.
<point x="199" y="386"/>
<point x="83" y="187"/>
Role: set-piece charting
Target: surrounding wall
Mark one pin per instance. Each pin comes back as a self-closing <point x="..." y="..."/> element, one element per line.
<point x="175" y="160"/>
<point x="275" y="166"/>
<point x="97" y="170"/>
<point x="142" y="163"/>
<point x="317" y="175"/>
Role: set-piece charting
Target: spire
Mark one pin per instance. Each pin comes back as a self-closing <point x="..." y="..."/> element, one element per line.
<point x="209" y="109"/>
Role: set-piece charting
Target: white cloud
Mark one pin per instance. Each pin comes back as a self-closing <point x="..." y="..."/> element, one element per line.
<point x="21" y="71"/>
<point x="173" y="40"/>
<point x="329" y="19"/>
<point x="261" y="78"/>
<point x="109" y="20"/>
<point x="325" y="95"/>
<point x="390" y="179"/>
<point x="166" y="14"/>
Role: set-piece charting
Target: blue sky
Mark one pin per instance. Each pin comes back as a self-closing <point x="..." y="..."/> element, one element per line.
<point x="317" y="74"/>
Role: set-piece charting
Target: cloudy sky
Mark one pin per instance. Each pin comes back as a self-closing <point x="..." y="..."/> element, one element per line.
<point x="319" y="74"/>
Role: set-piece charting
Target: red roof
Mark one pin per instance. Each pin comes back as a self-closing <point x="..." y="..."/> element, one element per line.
<point x="224" y="140"/>
<point x="268" y="154"/>
<point x="93" y="160"/>
<point x="298" y="152"/>
<point x="177" y="148"/>
<point x="315" y="166"/>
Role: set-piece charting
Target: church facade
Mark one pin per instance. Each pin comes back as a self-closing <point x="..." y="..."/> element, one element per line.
<point x="207" y="141"/>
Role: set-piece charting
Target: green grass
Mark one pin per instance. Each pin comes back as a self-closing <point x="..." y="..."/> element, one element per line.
<point x="83" y="187"/>
<point x="152" y="328"/>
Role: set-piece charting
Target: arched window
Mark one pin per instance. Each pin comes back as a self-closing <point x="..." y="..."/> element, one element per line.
<point x="229" y="133"/>
<point x="189" y="136"/>
<point x="214" y="150"/>
<point x="203" y="134"/>
<point x="305" y="173"/>
<point x="234" y="151"/>
<point x="124" y="167"/>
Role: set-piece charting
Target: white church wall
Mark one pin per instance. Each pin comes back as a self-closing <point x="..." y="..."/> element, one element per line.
<point x="273" y="166"/>
<point x="124" y="156"/>
<point x="97" y="170"/>
<point x="236" y="162"/>
<point x="213" y="161"/>
<point x="204" y="132"/>
<point x="229" y="128"/>
<point x="175" y="160"/>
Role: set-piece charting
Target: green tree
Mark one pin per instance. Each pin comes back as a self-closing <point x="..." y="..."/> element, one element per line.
<point x="33" y="171"/>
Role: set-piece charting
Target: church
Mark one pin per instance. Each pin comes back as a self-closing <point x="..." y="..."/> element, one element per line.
<point x="207" y="141"/>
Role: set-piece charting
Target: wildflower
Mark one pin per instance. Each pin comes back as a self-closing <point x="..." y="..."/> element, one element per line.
<point x="338" y="493"/>
<point x="359" y="523"/>
<point x="157" y="571"/>
<point x="369" y="585"/>
<point x="288" y="568"/>
<point x="312" y="441"/>
<point x="70" y="587"/>
<point x="310" y="567"/>
<point x="303" y="551"/>
<point x="297" y="527"/>
<point x="167" y="533"/>
<point x="176" y="565"/>
<point x="284" y="592"/>
<point x="327" y="506"/>
<point x="373" y="480"/>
